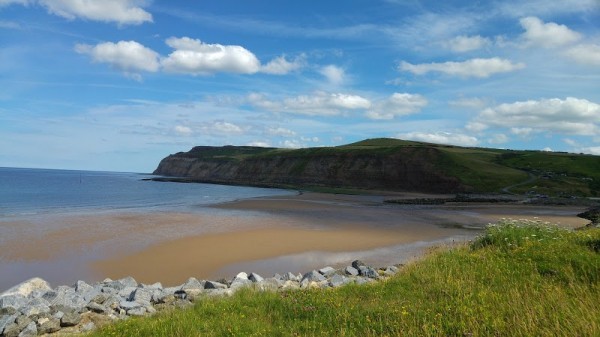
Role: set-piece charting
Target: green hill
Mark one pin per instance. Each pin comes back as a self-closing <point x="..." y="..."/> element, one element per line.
<point x="391" y="164"/>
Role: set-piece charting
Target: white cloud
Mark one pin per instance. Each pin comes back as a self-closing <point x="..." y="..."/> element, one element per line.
<point x="569" y="116"/>
<point x="588" y="54"/>
<point x="522" y="132"/>
<point x="477" y="67"/>
<point x="182" y="130"/>
<point x="595" y="150"/>
<point x="547" y="149"/>
<point x="281" y="66"/>
<point x="520" y="8"/>
<point x="570" y="142"/>
<point x="14" y="2"/>
<point x="192" y="56"/>
<point x="547" y="35"/>
<point x="279" y="131"/>
<point x="224" y="128"/>
<point x="499" y="138"/>
<point x="440" y="138"/>
<point x="399" y="104"/>
<point x="471" y="103"/>
<point x="477" y="127"/>
<point x="292" y="144"/>
<point x="119" y="11"/>
<point x="334" y="74"/>
<point x="463" y="43"/>
<point x="259" y="144"/>
<point x="317" y="104"/>
<point x="128" y="56"/>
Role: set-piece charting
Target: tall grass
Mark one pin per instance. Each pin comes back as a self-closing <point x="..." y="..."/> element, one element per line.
<point x="518" y="279"/>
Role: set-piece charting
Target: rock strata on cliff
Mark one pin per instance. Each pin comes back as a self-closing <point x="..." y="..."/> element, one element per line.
<point x="399" y="168"/>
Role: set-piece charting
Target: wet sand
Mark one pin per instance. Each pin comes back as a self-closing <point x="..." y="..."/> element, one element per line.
<point x="266" y="235"/>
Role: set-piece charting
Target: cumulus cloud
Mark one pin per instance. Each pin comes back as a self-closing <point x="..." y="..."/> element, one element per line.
<point x="279" y="131"/>
<point x="127" y="56"/>
<point x="194" y="57"/>
<point x="120" y="11"/>
<point x="588" y="54"/>
<point x="182" y="130"/>
<point x="281" y="66"/>
<point x="259" y="144"/>
<point x="569" y="116"/>
<point x="595" y="150"/>
<point x="477" y="67"/>
<point x="399" y="104"/>
<point x="334" y="74"/>
<point x="318" y="104"/>
<point x="547" y="35"/>
<point x="499" y="138"/>
<point x="463" y="43"/>
<point x="440" y="138"/>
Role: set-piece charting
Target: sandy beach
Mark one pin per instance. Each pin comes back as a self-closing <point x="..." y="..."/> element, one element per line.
<point x="266" y="235"/>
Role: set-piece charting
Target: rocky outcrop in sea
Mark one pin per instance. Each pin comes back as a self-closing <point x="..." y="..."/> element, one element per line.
<point x="34" y="308"/>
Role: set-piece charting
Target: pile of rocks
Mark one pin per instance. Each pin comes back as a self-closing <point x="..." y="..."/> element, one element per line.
<point x="34" y="308"/>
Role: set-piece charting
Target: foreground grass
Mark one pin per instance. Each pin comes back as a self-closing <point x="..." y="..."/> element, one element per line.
<point x="518" y="279"/>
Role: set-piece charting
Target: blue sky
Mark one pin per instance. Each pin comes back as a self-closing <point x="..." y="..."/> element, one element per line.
<point x="119" y="84"/>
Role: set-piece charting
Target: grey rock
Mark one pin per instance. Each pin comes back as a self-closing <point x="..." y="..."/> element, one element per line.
<point x="255" y="277"/>
<point x="290" y="277"/>
<point x="368" y="272"/>
<point x="219" y="292"/>
<point x="86" y="291"/>
<point x="240" y="283"/>
<point x="70" y="319"/>
<point x="139" y="311"/>
<point x="142" y="295"/>
<point x="11" y="330"/>
<point x="278" y="277"/>
<point x="58" y="314"/>
<point x="7" y="311"/>
<point x="357" y="264"/>
<point x="36" y="306"/>
<point x="193" y="283"/>
<point x="127" y="292"/>
<point x="26" y="288"/>
<point x="290" y="285"/>
<point x="327" y="271"/>
<point x="22" y="321"/>
<point x="338" y="281"/>
<point x="97" y="308"/>
<point x="127" y="305"/>
<point x="363" y="280"/>
<point x="351" y="271"/>
<point x="313" y="276"/>
<point x="214" y="285"/>
<point x="391" y="271"/>
<point x="6" y="320"/>
<point x="30" y="330"/>
<point x="241" y="276"/>
<point x="156" y="285"/>
<point x="128" y="282"/>
<point x="48" y="325"/>
<point x="269" y="284"/>
<point x="100" y="298"/>
<point x="14" y="301"/>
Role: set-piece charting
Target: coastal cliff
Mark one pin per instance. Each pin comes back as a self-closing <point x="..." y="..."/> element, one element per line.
<point x="391" y="165"/>
<point x="401" y="168"/>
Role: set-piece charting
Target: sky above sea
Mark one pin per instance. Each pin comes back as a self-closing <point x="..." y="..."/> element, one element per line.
<point x="119" y="84"/>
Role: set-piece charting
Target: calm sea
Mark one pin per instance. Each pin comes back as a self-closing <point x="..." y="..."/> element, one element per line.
<point x="37" y="191"/>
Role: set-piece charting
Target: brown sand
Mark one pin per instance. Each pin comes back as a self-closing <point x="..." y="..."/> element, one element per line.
<point x="200" y="256"/>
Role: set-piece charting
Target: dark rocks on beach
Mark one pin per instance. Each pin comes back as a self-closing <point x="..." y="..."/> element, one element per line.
<point x="33" y="307"/>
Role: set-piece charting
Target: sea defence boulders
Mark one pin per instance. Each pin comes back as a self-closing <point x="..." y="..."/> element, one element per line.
<point x="35" y="308"/>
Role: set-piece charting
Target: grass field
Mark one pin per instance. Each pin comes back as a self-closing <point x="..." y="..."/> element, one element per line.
<point x="518" y="279"/>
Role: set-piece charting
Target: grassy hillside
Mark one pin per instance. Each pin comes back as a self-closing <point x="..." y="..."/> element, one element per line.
<point x="518" y="279"/>
<point x="477" y="169"/>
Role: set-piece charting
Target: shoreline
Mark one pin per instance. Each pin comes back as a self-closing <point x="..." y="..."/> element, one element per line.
<point x="310" y="229"/>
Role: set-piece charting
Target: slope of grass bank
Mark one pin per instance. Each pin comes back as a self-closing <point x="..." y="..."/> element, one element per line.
<point x="518" y="279"/>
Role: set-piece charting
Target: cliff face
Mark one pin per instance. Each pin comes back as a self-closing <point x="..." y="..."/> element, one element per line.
<point x="404" y="169"/>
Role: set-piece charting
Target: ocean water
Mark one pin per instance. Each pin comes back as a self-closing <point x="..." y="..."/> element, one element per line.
<point x="55" y="223"/>
<point x="39" y="191"/>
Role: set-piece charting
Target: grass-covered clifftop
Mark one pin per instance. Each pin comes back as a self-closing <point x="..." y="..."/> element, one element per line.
<point x="391" y="164"/>
<point x="517" y="279"/>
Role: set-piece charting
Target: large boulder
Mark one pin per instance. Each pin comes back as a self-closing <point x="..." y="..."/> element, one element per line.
<point x="28" y="287"/>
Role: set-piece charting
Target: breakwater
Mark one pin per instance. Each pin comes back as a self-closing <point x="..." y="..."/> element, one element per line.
<point x="35" y="308"/>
